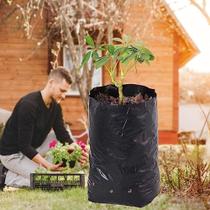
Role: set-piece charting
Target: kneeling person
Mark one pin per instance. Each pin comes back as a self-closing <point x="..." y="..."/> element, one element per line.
<point x="28" y="131"/>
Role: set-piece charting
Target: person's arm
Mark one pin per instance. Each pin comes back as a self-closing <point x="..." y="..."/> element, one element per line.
<point x="63" y="135"/>
<point x="60" y="131"/>
<point x="41" y="161"/>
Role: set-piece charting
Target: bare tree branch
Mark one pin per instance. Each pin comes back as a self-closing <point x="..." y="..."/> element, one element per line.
<point x="202" y="9"/>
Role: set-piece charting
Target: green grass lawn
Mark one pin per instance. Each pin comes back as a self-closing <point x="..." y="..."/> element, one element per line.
<point x="76" y="199"/>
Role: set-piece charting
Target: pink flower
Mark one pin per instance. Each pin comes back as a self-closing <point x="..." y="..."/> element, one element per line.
<point x="53" y="143"/>
<point x="82" y="145"/>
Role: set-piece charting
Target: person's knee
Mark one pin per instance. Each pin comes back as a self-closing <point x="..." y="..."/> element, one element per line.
<point x="16" y="180"/>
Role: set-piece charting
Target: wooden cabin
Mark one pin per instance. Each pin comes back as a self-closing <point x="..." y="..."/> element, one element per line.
<point x="24" y="65"/>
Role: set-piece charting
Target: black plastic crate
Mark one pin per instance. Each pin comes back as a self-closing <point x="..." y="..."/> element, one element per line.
<point x="56" y="181"/>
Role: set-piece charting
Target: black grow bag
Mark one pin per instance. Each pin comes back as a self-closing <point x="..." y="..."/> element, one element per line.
<point x="123" y="148"/>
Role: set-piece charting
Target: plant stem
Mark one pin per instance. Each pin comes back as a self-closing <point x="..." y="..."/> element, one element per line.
<point x="120" y="91"/>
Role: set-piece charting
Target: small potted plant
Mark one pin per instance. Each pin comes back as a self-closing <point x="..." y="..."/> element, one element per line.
<point x="74" y="156"/>
<point x="59" y="154"/>
<point x="122" y="128"/>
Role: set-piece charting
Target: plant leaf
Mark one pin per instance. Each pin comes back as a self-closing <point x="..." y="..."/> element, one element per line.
<point x="148" y="54"/>
<point x="118" y="50"/>
<point x="95" y="55"/>
<point x="102" y="61"/>
<point x="129" y="57"/>
<point x="86" y="58"/>
<point x="89" y="41"/>
<point x="111" y="49"/>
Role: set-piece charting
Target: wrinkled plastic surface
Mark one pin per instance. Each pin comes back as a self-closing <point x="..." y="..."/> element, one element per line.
<point x="123" y="149"/>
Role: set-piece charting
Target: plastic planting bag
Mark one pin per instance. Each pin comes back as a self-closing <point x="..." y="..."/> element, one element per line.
<point x="123" y="146"/>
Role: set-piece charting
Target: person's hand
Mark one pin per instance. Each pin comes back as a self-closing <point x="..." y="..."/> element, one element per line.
<point x="54" y="167"/>
<point x="84" y="157"/>
<point x="43" y="162"/>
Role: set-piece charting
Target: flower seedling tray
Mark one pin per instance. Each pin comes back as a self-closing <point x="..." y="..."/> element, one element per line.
<point x="56" y="181"/>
